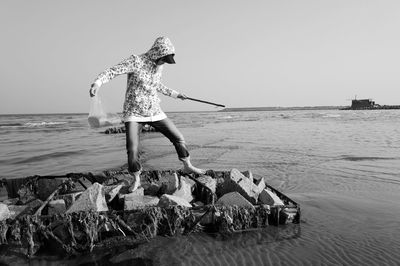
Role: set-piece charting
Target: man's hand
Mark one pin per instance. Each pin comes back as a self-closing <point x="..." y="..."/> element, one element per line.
<point x="182" y="96"/>
<point x="94" y="89"/>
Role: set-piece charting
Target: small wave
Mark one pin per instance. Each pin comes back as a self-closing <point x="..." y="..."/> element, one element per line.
<point x="365" y="158"/>
<point x="50" y="155"/>
<point x="284" y="116"/>
<point x="11" y="125"/>
<point x="331" y="116"/>
<point x="43" y="124"/>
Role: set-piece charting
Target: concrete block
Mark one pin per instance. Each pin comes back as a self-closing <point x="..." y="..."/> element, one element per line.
<point x="92" y="198"/>
<point x="249" y="175"/>
<point x="151" y="188"/>
<point x="11" y="201"/>
<point x="270" y="198"/>
<point x="260" y="183"/>
<point x="16" y="210"/>
<point x="46" y="186"/>
<point x="169" y="182"/>
<point x="4" y="212"/>
<point x="208" y="182"/>
<point x="112" y="191"/>
<point x="185" y="189"/>
<point x="123" y="195"/>
<point x="234" y="199"/>
<point x="56" y="207"/>
<point x="140" y="201"/>
<point x="167" y="201"/>
<point x="69" y="199"/>
<point x="236" y="181"/>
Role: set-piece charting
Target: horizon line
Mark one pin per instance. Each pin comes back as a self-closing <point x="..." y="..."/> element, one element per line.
<point x="226" y="108"/>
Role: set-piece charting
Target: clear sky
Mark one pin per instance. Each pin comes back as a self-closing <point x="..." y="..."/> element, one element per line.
<point x="238" y="53"/>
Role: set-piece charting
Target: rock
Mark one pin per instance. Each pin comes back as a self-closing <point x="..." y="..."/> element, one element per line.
<point x="16" y="210"/>
<point x="69" y="199"/>
<point x="125" y="194"/>
<point x="25" y="195"/>
<point x="4" y="212"/>
<point x="260" y="183"/>
<point x="11" y="201"/>
<point x="34" y="205"/>
<point x="92" y="198"/>
<point x="249" y="175"/>
<point x="270" y="198"/>
<point x="46" y="186"/>
<point x="198" y="204"/>
<point x="139" y="201"/>
<point x="208" y="182"/>
<point x="28" y="208"/>
<point x="169" y="182"/>
<point x="124" y="177"/>
<point x="185" y="189"/>
<point x="234" y="199"/>
<point x="151" y="189"/>
<point x="112" y="191"/>
<point x="236" y="181"/>
<point x="56" y="207"/>
<point x="167" y="201"/>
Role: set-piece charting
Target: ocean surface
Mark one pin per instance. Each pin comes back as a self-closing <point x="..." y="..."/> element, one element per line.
<point x="342" y="167"/>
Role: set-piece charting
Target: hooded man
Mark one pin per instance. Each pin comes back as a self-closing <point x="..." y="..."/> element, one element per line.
<point x="142" y="104"/>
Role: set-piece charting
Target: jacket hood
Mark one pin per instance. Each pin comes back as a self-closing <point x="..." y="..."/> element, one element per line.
<point x="161" y="47"/>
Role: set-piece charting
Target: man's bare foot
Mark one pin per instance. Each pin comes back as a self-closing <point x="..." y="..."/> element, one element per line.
<point x="136" y="181"/>
<point x="191" y="169"/>
<point x="188" y="168"/>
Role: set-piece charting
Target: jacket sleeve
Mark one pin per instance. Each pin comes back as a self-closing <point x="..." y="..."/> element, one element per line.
<point x="167" y="91"/>
<point x="126" y="66"/>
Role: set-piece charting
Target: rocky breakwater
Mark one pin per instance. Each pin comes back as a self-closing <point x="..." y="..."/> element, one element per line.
<point x="57" y="217"/>
<point x="122" y="129"/>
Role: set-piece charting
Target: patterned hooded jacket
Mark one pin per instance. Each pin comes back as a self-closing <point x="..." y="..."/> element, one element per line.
<point x="142" y="103"/>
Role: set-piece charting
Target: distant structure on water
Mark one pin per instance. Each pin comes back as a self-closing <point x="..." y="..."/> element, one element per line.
<point x="368" y="104"/>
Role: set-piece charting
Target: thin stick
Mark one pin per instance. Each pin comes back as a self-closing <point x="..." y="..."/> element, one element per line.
<point x="49" y="198"/>
<point x="197" y="100"/>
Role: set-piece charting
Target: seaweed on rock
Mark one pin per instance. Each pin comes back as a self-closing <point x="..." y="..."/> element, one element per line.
<point x="80" y="232"/>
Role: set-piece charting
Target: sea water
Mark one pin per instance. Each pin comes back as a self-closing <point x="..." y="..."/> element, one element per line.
<point x="342" y="167"/>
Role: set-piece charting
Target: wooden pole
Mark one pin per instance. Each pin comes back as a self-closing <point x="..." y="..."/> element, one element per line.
<point x="197" y="100"/>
